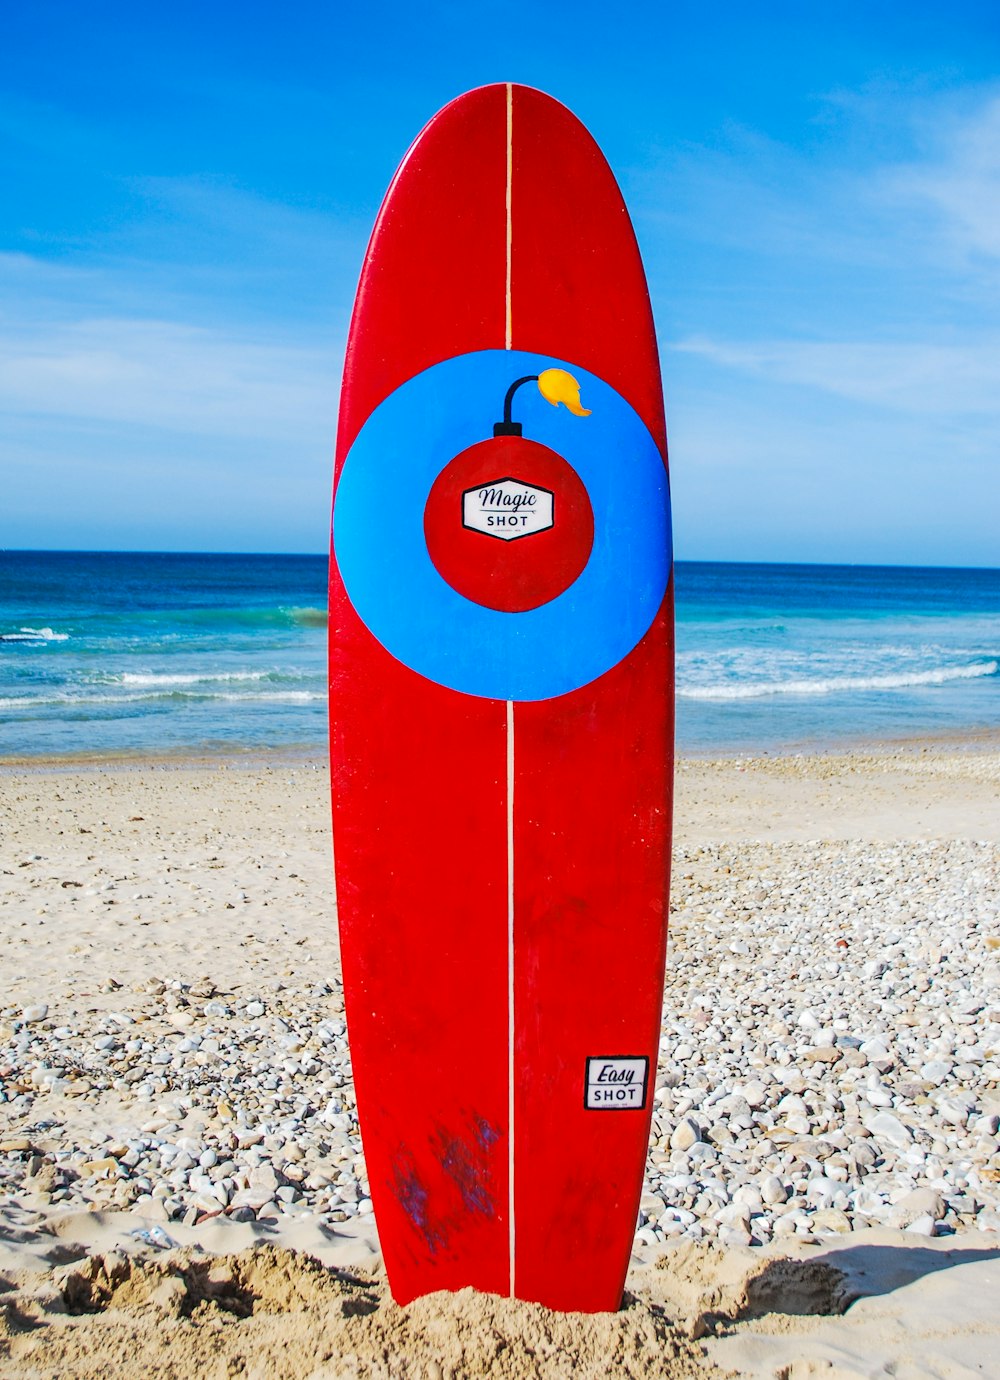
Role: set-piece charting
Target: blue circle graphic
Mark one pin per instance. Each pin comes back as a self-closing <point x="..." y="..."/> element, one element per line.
<point x="379" y="542"/>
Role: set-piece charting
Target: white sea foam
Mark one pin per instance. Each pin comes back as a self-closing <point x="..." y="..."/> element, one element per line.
<point x="274" y="697"/>
<point x="73" y="700"/>
<point x="833" y="685"/>
<point x="35" y="635"/>
<point x="187" y="678"/>
<point x="66" y="701"/>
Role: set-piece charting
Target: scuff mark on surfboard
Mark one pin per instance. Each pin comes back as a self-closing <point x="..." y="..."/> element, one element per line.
<point x="486" y="1135"/>
<point x="466" y="1164"/>
<point x="413" y="1198"/>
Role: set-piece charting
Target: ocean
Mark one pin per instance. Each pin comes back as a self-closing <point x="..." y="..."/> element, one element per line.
<point x="118" y="653"/>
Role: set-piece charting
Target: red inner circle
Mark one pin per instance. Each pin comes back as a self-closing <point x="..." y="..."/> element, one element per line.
<point x="528" y="570"/>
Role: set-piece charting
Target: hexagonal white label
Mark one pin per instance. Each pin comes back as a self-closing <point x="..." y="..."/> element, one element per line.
<point x="506" y="508"/>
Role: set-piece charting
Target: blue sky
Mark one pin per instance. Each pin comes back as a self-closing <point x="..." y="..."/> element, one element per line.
<point x="187" y="191"/>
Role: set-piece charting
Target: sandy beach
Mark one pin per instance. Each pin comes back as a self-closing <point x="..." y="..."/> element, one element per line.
<point x="182" y="1187"/>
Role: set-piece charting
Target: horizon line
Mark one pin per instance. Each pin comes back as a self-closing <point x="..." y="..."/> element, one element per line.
<point x="324" y="555"/>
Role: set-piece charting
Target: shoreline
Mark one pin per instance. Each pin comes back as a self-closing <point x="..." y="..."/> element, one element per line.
<point x="980" y="739"/>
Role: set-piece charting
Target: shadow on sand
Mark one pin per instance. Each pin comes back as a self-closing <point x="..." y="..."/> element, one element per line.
<point x="831" y="1280"/>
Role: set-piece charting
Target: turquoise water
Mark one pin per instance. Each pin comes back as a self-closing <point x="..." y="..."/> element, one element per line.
<point x="160" y="653"/>
<point x="779" y="656"/>
<point x="123" y="652"/>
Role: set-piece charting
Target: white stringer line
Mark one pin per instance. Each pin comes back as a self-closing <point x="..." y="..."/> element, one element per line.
<point x="510" y="774"/>
<point x="510" y="169"/>
<point x="510" y="983"/>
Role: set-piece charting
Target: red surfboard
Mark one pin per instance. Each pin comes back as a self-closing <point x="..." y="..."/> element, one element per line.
<point x="501" y="700"/>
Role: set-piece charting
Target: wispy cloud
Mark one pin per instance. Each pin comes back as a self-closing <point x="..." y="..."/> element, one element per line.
<point x="889" y="218"/>
<point x="761" y="198"/>
<point x="913" y="377"/>
<point x="168" y="375"/>
<point x="831" y="345"/>
<point x="217" y="222"/>
<point x="959" y="179"/>
<point x="88" y="343"/>
<point x="865" y="276"/>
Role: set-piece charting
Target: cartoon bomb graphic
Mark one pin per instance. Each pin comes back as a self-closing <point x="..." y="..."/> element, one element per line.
<point x="508" y="522"/>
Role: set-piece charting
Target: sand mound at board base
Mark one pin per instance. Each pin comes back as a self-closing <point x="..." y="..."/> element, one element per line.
<point x="276" y="1314"/>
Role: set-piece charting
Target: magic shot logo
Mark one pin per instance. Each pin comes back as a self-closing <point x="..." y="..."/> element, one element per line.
<point x="506" y="508"/>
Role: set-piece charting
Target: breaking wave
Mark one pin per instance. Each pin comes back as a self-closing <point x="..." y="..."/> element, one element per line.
<point x="191" y="677"/>
<point x="71" y="700"/>
<point x="834" y="685"/>
<point x="34" y="635"/>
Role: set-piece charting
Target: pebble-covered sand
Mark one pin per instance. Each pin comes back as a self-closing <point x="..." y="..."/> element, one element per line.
<point x="830" y="1051"/>
<point x="172" y="1039"/>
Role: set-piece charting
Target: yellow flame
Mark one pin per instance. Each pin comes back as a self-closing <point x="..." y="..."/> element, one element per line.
<point x="556" y="386"/>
